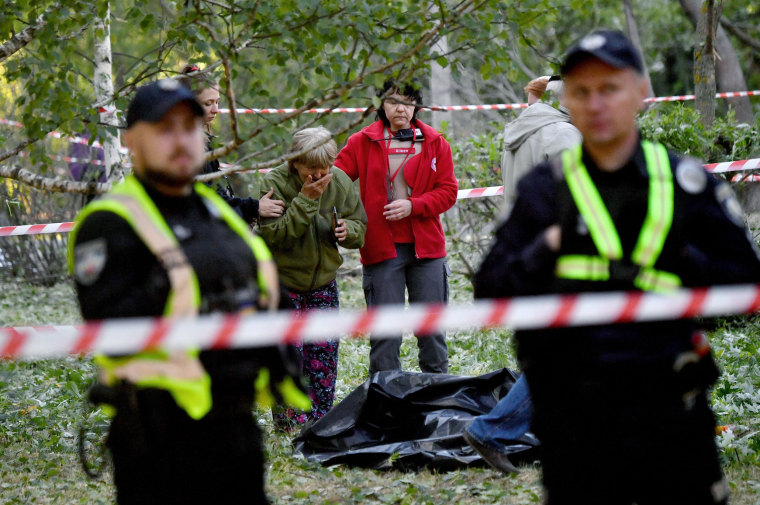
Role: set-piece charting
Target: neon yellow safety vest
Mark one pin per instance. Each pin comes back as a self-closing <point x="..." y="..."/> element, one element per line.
<point x="654" y="231"/>
<point x="131" y="202"/>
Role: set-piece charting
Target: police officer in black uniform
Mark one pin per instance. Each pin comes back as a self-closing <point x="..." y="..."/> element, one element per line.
<point x="621" y="410"/>
<point x="158" y="244"/>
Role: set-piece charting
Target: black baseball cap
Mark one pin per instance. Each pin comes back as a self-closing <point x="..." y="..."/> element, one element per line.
<point x="610" y="46"/>
<point x="154" y="100"/>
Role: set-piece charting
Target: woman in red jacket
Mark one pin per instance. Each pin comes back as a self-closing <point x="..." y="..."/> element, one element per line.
<point x="406" y="180"/>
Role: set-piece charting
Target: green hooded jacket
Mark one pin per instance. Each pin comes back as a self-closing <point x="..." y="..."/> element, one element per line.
<point x="302" y="240"/>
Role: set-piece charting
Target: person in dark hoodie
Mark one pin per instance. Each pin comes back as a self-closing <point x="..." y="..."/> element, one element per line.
<point x="538" y="134"/>
<point x="207" y="93"/>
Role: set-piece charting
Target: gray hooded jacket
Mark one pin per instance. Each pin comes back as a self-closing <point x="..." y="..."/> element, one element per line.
<point x="540" y="133"/>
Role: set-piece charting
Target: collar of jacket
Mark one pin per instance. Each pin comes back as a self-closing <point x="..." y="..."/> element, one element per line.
<point x="637" y="160"/>
<point x="376" y="130"/>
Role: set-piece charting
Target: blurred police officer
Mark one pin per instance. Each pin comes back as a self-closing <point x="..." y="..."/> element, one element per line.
<point x="621" y="410"/>
<point x="158" y="244"/>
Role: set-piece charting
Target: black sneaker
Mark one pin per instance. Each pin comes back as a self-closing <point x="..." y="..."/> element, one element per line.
<point x="496" y="459"/>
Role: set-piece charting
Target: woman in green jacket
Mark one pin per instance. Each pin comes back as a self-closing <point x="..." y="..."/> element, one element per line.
<point x="322" y="210"/>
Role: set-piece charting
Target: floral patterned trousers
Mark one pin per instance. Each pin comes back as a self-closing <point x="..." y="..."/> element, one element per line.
<point x="319" y="363"/>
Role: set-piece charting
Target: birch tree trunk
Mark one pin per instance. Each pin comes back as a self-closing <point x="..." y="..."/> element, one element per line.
<point x="440" y="87"/>
<point x="704" y="63"/>
<point x="104" y="92"/>
<point x="729" y="73"/>
<point x="633" y="33"/>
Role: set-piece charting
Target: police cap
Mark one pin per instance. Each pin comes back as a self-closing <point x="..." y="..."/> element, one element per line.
<point x="154" y="100"/>
<point x="609" y="46"/>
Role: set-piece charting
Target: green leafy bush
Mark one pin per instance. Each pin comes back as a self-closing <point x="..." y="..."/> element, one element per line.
<point x="678" y="127"/>
<point x="469" y="224"/>
<point x="736" y="395"/>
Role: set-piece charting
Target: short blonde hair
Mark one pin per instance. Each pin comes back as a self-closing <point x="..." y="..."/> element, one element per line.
<point x="317" y="156"/>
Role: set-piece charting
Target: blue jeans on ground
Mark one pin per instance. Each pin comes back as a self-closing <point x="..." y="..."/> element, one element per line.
<point x="508" y="421"/>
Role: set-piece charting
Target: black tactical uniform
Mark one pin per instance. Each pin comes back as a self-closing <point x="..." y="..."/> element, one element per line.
<point x="161" y="455"/>
<point x="625" y="404"/>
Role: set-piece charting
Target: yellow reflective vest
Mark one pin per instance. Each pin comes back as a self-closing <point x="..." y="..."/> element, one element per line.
<point x="653" y="233"/>
<point x="131" y="202"/>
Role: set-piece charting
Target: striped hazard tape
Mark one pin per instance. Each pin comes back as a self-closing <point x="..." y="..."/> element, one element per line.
<point x="733" y="166"/>
<point x="128" y="336"/>
<point x="462" y="194"/>
<point x="458" y="108"/>
<point x="36" y="229"/>
<point x="443" y="108"/>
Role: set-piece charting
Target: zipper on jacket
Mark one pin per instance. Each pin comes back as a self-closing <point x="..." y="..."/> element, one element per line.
<point x="319" y="251"/>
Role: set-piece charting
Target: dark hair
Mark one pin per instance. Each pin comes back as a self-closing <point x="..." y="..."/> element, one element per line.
<point x="408" y="89"/>
<point x="198" y="82"/>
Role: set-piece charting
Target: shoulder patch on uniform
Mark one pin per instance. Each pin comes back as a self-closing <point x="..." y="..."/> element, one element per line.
<point x="212" y="209"/>
<point x="182" y="232"/>
<point x="691" y="176"/>
<point x="730" y="205"/>
<point x="89" y="261"/>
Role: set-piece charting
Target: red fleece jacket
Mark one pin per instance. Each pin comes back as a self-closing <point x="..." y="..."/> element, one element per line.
<point x="434" y="191"/>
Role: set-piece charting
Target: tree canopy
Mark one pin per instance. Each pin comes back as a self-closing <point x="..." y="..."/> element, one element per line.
<point x="300" y="54"/>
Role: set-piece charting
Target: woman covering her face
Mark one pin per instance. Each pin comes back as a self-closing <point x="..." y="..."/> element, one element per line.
<point x="322" y="210"/>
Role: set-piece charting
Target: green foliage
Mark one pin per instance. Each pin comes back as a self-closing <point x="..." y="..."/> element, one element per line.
<point x="736" y="395"/>
<point x="678" y="127"/>
<point x="468" y="224"/>
<point x="282" y="53"/>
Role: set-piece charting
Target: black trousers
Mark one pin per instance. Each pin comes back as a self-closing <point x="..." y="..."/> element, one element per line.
<point x="621" y="436"/>
<point x="163" y="456"/>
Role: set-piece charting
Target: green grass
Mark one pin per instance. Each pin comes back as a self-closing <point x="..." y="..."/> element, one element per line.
<point x="42" y="408"/>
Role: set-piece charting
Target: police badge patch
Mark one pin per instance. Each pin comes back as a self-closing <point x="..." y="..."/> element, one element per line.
<point x="89" y="260"/>
<point x="691" y="176"/>
<point x="730" y="205"/>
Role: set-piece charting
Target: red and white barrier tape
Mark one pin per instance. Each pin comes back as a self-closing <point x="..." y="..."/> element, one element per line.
<point x="462" y="194"/>
<point x="126" y="336"/>
<point x="456" y="108"/>
<point x="728" y="166"/>
<point x="682" y="98"/>
<point x="35" y="229"/>
<point x="59" y="135"/>
<point x="338" y="110"/>
<point x="449" y="108"/>
<point x="67" y="159"/>
<point x="733" y="166"/>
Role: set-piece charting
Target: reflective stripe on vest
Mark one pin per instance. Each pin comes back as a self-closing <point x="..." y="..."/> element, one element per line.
<point x="130" y="201"/>
<point x="654" y="230"/>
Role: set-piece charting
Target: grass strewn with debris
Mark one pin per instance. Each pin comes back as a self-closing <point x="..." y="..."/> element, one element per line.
<point x="42" y="408"/>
